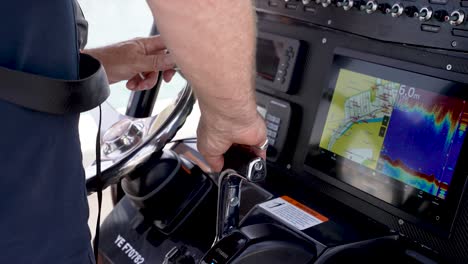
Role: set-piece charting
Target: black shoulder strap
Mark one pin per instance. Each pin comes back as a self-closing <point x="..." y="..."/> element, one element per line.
<point x="56" y="96"/>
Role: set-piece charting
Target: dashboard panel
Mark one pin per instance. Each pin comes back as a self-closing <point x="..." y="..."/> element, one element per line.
<point x="380" y="124"/>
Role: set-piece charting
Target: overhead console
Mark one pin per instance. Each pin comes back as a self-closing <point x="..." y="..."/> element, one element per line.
<point x="433" y="23"/>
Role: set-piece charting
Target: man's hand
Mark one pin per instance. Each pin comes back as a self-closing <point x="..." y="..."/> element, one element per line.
<point x="213" y="43"/>
<point x="219" y="129"/>
<point x="133" y="59"/>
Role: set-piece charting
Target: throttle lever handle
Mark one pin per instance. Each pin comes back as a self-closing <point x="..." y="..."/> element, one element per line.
<point x="245" y="162"/>
<point x="240" y="163"/>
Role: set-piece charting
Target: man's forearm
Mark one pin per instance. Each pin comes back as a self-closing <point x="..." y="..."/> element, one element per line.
<point x="213" y="42"/>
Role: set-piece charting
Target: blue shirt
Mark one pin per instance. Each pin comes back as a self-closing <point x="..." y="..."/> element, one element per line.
<point x="43" y="205"/>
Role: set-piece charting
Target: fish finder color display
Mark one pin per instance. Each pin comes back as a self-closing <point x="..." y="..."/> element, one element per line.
<point x="406" y="133"/>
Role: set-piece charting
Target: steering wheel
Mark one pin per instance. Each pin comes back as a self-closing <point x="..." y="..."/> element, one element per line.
<point x="130" y="142"/>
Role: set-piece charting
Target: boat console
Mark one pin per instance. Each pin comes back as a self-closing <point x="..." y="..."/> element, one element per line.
<point x="366" y="106"/>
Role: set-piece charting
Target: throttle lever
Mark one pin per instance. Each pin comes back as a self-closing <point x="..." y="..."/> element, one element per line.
<point x="245" y="162"/>
<point x="240" y="163"/>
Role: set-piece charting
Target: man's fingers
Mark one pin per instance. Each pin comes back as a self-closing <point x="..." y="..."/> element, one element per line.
<point x="149" y="81"/>
<point x="260" y="153"/>
<point x="132" y="83"/>
<point x="167" y="75"/>
<point x="152" y="44"/>
<point x="216" y="163"/>
<point x="157" y="62"/>
<point x="136" y="83"/>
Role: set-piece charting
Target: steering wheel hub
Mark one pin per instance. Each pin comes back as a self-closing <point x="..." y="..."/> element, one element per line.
<point x="122" y="137"/>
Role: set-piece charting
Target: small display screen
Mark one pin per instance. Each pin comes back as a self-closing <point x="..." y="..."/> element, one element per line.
<point x="392" y="134"/>
<point x="268" y="58"/>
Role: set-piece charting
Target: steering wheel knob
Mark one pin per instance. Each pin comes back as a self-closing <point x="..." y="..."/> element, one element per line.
<point x="122" y="137"/>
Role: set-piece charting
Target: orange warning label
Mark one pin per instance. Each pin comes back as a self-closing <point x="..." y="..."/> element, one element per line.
<point x="293" y="213"/>
<point x="305" y="208"/>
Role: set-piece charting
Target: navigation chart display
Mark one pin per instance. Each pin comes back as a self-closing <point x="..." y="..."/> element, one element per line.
<point x="395" y="135"/>
<point x="404" y="132"/>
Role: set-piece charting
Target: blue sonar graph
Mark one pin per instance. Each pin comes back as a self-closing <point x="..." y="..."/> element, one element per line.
<point x="423" y="140"/>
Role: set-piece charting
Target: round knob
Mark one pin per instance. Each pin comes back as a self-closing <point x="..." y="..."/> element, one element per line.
<point x="318" y="2"/>
<point x="425" y="13"/>
<point x="121" y="137"/>
<point x="306" y="2"/>
<point x="371" y="7"/>
<point x="325" y="3"/>
<point x="411" y="11"/>
<point x="397" y="10"/>
<point x="347" y="4"/>
<point x="440" y="15"/>
<point x="456" y="18"/>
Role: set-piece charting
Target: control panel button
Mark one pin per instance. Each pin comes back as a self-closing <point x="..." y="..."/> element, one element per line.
<point x="271" y="141"/>
<point x="425" y="13"/>
<point x="411" y="11"/>
<point x="440" y="15"/>
<point x="280" y="79"/>
<point x="456" y="18"/>
<point x="371" y="6"/>
<point x="306" y="2"/>
<point x="272" y="134"/>
<point x="273" y="119"/>
<point x="397" y="10"/>
<point x="272" y="126"/>
<point x="282" y="72"/>
<point x="284" y="65"/>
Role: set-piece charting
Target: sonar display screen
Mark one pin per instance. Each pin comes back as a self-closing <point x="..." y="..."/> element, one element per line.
<point x="391" y="128"/>
<point x="397" y="141"/>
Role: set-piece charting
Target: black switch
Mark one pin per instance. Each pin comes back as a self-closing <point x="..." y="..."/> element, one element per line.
<point x="384" y="8"/>
<point x="440" y="15"/>
<point x="411" y="11"/>
<point x="359" y="4"/>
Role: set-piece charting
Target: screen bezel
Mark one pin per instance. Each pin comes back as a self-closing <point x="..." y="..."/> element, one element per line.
<point x="457" y="186"/>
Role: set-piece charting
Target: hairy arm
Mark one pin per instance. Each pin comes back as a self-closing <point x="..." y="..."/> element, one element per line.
<point x="213" y="43"/>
